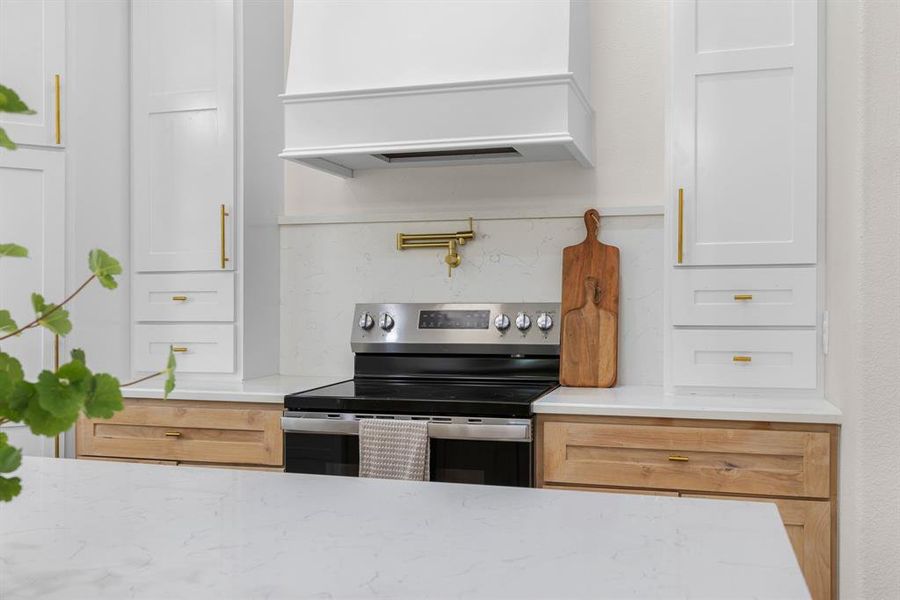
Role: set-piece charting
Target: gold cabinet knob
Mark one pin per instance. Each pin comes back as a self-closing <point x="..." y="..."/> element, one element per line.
<point x="741" y="359"/>
<point x="179" y="349"/>
<point x="173" y="434"/>
<point x="179" y="298"/>
<point x="678" y="458"/>
<point x="745" y="297"/>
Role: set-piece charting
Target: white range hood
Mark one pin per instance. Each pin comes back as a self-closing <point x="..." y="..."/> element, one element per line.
<point x="382" y="83"/>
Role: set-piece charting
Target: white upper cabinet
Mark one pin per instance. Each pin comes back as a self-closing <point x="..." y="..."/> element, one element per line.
<point x="183" y="135"/>
<point x="33" y="62"/>
<point x="745" y="115"/>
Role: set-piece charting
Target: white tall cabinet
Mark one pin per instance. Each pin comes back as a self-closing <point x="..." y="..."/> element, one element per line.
<point x="743" y="282"/>
<point x="206" y="184"/>
<point x="33" y="179"/>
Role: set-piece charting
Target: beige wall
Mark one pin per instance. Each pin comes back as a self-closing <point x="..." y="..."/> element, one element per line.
<point x="863" y="281"/>
<point x="628" y="75"/>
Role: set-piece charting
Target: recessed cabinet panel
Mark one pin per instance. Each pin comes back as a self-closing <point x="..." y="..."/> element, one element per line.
<point x="744" y="297"/>
<point x="729" y="25"/>
<point x="744" y="358"/>
<point x="183" y="296"/>
<point x="182" y="135"/>
<point x="32" y="54"/>
<point x="745" y="116"/>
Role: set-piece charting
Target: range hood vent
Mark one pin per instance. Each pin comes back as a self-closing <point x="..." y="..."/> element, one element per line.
<point x="384" y="84"/>
<point x="461" y="154"/>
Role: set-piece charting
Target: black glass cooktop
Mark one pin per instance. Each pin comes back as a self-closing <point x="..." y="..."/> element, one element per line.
<point x="423" y="397"/>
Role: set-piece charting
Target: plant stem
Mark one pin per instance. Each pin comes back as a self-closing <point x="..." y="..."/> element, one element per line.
<point x="4" y="420"/>
<point x="151" y="376"/>
<point x="37" y="320"/>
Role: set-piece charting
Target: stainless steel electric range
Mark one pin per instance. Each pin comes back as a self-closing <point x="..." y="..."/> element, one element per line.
<point x="470" y="370"/>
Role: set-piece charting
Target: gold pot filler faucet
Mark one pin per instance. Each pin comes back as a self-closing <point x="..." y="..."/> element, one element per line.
<point x="450" y="241"/>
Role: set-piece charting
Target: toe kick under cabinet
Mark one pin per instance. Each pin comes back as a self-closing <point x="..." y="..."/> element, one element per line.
<point x="792" y="465"/>
<point x="176" y="432"/>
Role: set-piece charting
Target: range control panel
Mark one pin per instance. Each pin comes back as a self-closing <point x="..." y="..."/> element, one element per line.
<point x="500" y="328"/>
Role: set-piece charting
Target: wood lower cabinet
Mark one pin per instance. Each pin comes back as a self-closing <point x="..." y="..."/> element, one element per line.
<point x="791" y="465"/>
<point x="187" y="432"/>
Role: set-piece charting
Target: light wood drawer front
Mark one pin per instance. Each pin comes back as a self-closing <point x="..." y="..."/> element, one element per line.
<point x="184" y="296"/>
<point x="207" y="348"/>
<point x="700" y="459"/>
<point x="147" y="430"/>
<point x="808" y="526"/>
<point x="744" y="297"/>
<point x="744" y="358"/>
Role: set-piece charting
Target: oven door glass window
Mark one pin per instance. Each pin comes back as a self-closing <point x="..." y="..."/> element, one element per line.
<point x="322" y="454"/>
<point x="490" y="463"/>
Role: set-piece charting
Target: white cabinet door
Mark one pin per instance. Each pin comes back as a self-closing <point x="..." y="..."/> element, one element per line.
<point x="32" y="59"/>
<point x="32" y="214"/>
<point x="183" y="134"/>
<point x="745" y="114"/>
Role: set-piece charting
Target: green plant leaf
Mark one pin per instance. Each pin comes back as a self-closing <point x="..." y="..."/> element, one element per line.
<point x="10" y="487"/>
<point x="13" y="250"/>
<point x="12" y="367"/>
<point x="11" y="103"/>
<point x="10" y="458"/>
<point x="56" y="321"/>
<point x="105" y="398"/>
<point x="13" y="407"/>
<point x="104" y="267"/>
<point x="58" y="397"/>
<point x="74" y="372"/>
<point x="169" y="385"/>
<point x="5" y="142"/>
<point x="40" y="421"/>
<point x="7" y="325"/>
<point x="78" y="354"/>
<point x="10" y="374"/>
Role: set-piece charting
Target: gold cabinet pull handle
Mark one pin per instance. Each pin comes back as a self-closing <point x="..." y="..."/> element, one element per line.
<point x="678" y="458"/>
<point x="179" y="298"/>
<point x="741" y="359"/>
<point x="173" y="434"/>
<point x="223" y="212"/>
<point x="743" y="296"/>
<point x="179" y="349"/>
<point x="58" y="117"/>
<point x="680" y="225"/>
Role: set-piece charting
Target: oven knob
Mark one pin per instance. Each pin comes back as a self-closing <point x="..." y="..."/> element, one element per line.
<point x="366" y="321"/>
<point x="544" y="322"/>
<point x="523" y="322"/>
<point x="386" y="322"/>
<point x="501" y="322"/>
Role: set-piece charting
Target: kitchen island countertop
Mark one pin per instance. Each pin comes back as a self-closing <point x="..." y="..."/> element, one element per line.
<point x="86" y="529"/>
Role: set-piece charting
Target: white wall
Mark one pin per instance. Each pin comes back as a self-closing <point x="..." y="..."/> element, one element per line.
<point x="97" y="172"/>
<point x="629" y="43"/>
<point x="863" y="261"/>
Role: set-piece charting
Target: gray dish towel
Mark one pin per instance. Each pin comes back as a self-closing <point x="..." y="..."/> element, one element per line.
<point x="394" y="449"/>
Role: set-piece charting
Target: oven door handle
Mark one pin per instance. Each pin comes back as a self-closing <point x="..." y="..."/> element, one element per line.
<point x="441" y="431"/>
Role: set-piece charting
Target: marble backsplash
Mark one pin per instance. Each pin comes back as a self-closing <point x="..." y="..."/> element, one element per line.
<point x="327" y="268"/>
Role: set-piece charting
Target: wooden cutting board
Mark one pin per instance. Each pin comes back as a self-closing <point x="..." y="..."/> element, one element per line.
<point x="590" y="311"/>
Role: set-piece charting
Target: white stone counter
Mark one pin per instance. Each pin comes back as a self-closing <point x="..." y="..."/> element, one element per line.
<point x="651" y="401"/>
<point x="90" y="529"/>
<point x="262" y="389"/>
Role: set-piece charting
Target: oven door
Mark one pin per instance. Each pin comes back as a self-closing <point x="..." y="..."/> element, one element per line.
<point x="463" y="450"/>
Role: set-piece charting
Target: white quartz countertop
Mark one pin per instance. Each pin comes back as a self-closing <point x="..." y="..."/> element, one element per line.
<point x="262" y="389"/>
<point x="101" y="530"/>
<point x="651" y="401"/>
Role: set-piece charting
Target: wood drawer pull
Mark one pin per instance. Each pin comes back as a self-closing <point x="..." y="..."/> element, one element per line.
<point x="743" y="296"/>
<point x="179" y="298"/>
<point x="678" y="458"/>
<point x="741" y="359"/>
<point x="179" y="349"/>
<point x="173" y="434"/>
